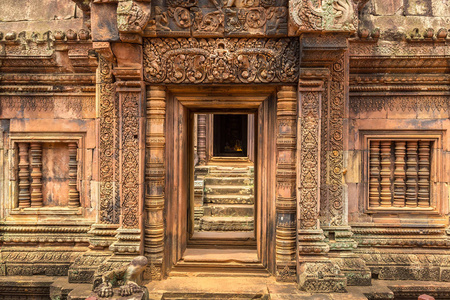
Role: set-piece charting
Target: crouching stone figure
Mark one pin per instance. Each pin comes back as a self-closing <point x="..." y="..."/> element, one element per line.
<point x="122" y="282"/>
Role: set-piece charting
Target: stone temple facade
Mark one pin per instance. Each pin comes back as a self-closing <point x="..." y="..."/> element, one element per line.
<point x="111" y="132"/>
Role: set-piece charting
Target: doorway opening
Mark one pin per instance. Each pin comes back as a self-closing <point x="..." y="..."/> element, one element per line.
<point x="220" y="184"/>
<point x="223" y="202"/>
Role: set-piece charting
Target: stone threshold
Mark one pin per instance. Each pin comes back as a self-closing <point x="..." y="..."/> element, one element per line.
<point x="47" y="287"/>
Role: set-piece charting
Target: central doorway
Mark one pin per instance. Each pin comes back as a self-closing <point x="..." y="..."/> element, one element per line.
<point x="220" y="209"/>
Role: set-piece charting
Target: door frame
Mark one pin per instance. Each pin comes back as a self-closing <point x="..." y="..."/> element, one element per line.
<point x="182" y="102"/>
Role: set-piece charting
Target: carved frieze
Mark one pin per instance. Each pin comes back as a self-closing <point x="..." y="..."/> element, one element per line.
<point x="221" y="60"/>
<point x="218" y="18"/>
<point x="428" y="103"/>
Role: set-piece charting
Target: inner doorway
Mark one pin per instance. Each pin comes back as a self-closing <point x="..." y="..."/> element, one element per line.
<point x="224" y="193"/>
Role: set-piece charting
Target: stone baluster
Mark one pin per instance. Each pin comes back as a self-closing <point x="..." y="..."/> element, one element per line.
<point x="36" y="175"/>
<point x="374" y="181"/>
<point x="385" y="194"/>
<point x="411" y="174"/>
<point x="424" y="174"/>
<point x="201" y="139"/>
<point x="24" y="176"/>
<point x="399" y="174"/>
<point x="74" y="195"/>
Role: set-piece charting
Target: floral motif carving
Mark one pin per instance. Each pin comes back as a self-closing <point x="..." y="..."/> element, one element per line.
<point x="109" y="208"/>
<point x="221" y="60"/>
<point x="336" y="142"/>
<point x="130" y="160"/>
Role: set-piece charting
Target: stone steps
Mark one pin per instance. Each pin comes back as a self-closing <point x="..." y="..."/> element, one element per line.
<point x="232" y="210"/>
<point x="227" y="223"/>
<point x="230" y="199"/>
<point x="237" y="180"/>
<point x="228" y="190"/>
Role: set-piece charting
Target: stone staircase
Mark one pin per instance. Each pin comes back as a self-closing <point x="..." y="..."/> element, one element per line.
<point x="228" y="199"/>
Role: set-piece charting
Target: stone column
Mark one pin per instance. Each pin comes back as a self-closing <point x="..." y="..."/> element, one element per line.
<point x="155" y="176"/>
<point x="286" y="201"/>
<point x="201" y="139"/>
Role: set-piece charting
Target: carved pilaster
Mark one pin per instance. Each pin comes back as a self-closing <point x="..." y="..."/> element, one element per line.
<point x="74" y="195"/>
<point x="374" y="181"/>
<point x="385" y="194"/>
<point x="329" y="56"/>
<point x="36" y="175"/>
<point x="286" y="203"/>
<point x="399" y="174"/>
<point x="155" y="173"/>
<point x="24" y="175"/>
<point x="424" y="174"/>
<point x="411" y="173"/>
<point x="102" y="234"/>
<point x="201" y="139"/>
<point x="109" y="203"/>
<point x="311" y="246"/>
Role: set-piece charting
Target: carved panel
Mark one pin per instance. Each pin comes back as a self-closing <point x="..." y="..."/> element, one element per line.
<point x="109" y="208"/>
<point x="406" y="103"/>
<point x="221" y="60"/>
<point x="130" y="159"/>
<point x="309" y="160"/>
<point x="336" y="141"/>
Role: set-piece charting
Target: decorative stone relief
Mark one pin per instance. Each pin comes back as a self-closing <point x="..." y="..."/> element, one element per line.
<point x="324" y="15"/>
<point x="221" y="60"/>
<point x="109" y="208"/>
<point x="132" y="16"/>
<point x="219" y="18"/>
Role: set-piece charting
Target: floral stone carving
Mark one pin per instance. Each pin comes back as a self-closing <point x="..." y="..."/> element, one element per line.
<point x="221" y="60"/>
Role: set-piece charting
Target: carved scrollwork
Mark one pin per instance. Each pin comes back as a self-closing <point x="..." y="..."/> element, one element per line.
<point x="221" y="60"/>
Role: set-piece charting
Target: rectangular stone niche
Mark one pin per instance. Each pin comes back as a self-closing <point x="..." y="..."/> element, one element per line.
<point x="46" y="174"/>
<point x="401" y="170"/>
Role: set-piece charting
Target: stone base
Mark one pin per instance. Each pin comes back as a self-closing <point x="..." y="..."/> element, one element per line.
<point x="354" y="268"/>
<point x="85" y="266"/>
<point x="322" y="276"/>
<point x="410" y="264"/>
